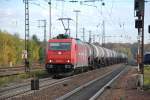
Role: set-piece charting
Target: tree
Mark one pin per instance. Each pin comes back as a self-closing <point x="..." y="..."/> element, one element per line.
<point x="11" y="47"/>
<point x="41" y="55"/>
<point x="35" y="39"/>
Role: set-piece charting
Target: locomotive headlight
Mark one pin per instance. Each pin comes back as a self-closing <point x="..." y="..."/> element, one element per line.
<point x="68" y="61"/>
<point x="50" y="61"/>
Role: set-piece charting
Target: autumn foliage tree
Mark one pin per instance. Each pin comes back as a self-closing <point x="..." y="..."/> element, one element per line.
<point x="11" y="47"/>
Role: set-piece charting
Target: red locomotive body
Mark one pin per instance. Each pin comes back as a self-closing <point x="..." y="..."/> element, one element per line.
<point x="65" y="55"/>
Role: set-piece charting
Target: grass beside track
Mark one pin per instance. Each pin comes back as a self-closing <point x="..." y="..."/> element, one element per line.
<point x="147" y="77"/>
<point x="4" y="81"/>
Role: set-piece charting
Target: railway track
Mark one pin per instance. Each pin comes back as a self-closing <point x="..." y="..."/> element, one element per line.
<point x="25" y="89"/>
<point x="12" y="91"/>
<point x="17" y="67"/>
<point x="9" y="71"/>
<point x="92" y="89"/>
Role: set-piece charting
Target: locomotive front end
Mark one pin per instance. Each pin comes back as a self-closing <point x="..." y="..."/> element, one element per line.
<point x="59" y="56"/>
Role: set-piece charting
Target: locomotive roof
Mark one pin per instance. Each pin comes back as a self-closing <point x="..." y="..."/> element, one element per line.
<point x="63" y="40"/>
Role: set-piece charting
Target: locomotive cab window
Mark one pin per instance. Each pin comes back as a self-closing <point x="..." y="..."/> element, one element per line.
<point x="59" y="46"/>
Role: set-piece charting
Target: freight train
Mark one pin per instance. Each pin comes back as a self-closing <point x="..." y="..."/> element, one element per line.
<point x="147" y="58"/>
<point x="65" y="55"/>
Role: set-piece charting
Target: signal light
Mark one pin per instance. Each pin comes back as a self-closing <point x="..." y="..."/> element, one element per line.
<point x="136" y="5"/>
<point x="138" y="23"/>
<point x="138" y="13"/>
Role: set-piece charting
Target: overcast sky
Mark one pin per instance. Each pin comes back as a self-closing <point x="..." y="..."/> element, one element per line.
<point x="117" y="14"/>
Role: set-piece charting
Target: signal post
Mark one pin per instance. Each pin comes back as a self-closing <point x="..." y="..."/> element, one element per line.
<point x="139" y="7"/>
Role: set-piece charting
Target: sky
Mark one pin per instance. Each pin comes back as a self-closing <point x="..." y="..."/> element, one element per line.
<point x="118" y="16"/>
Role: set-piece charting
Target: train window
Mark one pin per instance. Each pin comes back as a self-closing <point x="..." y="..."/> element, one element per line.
<point x="59" y="46"/>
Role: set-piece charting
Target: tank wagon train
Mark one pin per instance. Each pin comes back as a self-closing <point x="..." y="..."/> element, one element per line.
<point x="147" y="58"/>
<point x="68" y="55"/>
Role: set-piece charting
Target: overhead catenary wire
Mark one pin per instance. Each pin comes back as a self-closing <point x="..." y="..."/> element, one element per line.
<point x="108" y="15"/>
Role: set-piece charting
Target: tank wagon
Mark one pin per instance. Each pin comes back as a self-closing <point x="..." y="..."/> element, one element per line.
<point x="66" y="55"/>
<point x="147" y="58"/>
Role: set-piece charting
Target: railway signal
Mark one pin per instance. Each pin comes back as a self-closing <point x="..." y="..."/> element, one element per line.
<point x="138" y="23"/>
<point x="139" y="7"/>
<point x="24" y="54"/>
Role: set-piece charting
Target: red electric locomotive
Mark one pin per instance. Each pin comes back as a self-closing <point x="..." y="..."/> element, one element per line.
<point x="65" y="55"/>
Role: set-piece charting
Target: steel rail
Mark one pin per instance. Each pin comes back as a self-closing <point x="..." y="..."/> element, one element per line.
<point x="75" y="93"/>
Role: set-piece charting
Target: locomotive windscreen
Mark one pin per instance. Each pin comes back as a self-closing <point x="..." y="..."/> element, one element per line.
<point x="59" y="46"/>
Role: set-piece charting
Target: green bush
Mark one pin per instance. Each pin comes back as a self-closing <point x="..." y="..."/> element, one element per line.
<point x="147" y="76"/>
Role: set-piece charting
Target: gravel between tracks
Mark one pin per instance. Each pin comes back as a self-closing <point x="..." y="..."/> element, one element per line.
<point x="125" y="88"/>
<point x="56" y="91"/>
